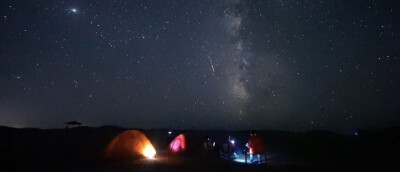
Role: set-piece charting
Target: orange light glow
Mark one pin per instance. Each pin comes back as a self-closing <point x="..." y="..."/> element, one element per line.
<point x="149" y="151"/>
<point x="129" y="144"/>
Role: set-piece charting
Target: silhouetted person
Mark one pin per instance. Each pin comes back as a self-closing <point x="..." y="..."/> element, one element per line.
<point x="232" y="147"/>
<point x="208" y="144"/>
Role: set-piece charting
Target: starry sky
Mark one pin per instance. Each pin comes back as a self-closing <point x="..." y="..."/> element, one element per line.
<point x="209" y="64"/>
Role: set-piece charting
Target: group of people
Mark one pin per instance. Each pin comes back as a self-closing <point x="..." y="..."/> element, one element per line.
<point x="254" y="147"/>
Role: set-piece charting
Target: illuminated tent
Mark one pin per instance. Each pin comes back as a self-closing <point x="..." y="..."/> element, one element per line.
<point x="178" y="144"/>
<point x="129" y="144"/>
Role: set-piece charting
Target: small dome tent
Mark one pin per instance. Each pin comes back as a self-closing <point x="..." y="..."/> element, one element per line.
<point x="129" y="144"/>
<point x="178" y="144"/>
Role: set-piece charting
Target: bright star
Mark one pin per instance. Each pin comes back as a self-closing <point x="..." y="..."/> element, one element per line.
<point x="74" y="10"/>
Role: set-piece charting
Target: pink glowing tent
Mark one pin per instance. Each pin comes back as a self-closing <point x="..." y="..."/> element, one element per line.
<point x="178" y="144"/>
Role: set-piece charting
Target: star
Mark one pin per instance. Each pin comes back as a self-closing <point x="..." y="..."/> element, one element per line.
<point x="229" y="61"/>
<point x="73" y="10"/>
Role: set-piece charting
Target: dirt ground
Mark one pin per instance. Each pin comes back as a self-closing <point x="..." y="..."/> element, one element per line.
<point x="80" y="149"/>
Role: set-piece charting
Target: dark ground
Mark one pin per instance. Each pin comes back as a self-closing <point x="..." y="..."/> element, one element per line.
<point x="80" y="149"/>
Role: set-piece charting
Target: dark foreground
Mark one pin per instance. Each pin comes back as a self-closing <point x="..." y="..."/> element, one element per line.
<point x="80" y="149"/>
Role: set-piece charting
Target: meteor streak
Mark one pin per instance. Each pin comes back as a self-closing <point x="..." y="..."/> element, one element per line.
<point x="212" y="66"/>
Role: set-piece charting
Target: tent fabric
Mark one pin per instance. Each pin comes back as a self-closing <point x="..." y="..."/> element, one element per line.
<point x="255" y="145"/>
<point x="178" y="144"/>
<point x="128" y="145"/>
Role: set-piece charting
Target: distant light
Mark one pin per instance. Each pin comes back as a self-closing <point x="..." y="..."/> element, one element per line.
<point x="74" y="10"/>
<point x="233" y="141"/>
<point x="214" y="144"/>
<point x="169" y="132"/>
<point x="356" y="133"/>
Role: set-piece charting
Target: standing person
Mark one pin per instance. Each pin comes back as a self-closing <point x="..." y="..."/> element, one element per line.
<point x="232" y="147"/>
<point x="255" y="146"/>
<point x="208" y="144"/>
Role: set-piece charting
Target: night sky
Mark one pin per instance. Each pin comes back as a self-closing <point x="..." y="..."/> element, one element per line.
<point x="204" y="64"/>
